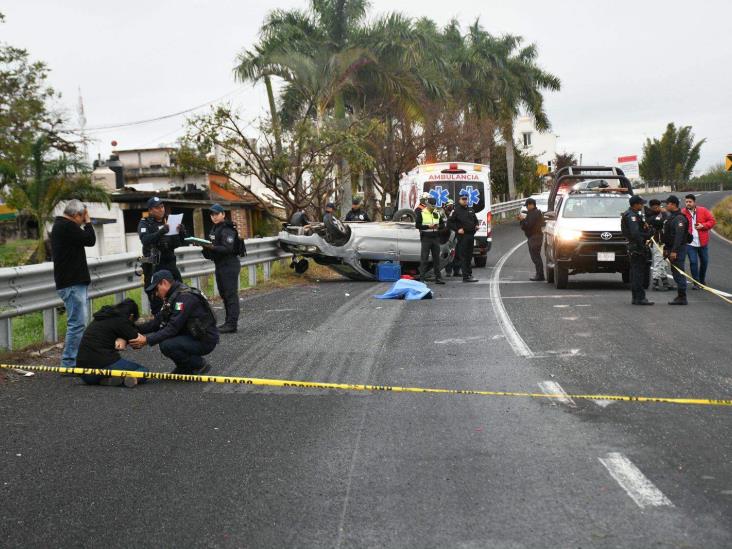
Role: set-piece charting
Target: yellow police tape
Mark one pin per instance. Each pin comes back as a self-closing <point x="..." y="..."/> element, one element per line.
<point x="355" y="387"/>
<point x="720" y="294"/>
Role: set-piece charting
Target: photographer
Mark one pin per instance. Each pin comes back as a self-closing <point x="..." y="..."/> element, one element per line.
<point x="157" y="246"/>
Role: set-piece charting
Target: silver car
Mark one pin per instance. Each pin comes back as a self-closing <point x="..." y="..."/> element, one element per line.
<point x="355" y="249"/>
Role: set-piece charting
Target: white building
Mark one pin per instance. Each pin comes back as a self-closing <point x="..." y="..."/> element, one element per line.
<point x="542" y="145"/>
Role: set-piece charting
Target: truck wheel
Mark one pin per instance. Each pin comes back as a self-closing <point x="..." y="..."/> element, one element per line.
<point x="626" y="277"/>
<point x="561" y="277"/>
<point x="405" y="214"/>
<point x="480" y="260"/>
<point x="302" y="266"/>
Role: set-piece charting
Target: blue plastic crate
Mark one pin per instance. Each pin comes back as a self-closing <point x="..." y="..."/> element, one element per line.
<point x="388" y="271"/>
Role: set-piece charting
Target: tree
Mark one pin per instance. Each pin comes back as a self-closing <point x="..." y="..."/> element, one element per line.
<point x="300" y="176"/>
<point x="47" y="181"/>
<point x="24" y="109"/>
<point x="564" y="160"/>
<point x="713" y="177"/>
<point x="670" y="159"/>
<point x="527" y="179"/>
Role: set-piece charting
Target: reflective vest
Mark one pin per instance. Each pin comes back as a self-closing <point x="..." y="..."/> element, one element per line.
<point x="430" y="218"/>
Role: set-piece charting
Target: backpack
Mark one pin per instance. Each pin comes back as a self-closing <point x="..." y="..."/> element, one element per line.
<point x="240" y="247"/>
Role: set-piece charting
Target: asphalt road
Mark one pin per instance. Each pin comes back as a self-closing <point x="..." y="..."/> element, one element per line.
<point x="237" y="466"/>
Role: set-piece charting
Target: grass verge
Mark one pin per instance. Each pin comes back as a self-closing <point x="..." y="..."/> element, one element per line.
<point x="723" y="214"/>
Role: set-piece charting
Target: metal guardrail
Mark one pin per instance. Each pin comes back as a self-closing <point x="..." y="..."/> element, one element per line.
<point x="28" y="289"/>
<point x="503" y="208"/>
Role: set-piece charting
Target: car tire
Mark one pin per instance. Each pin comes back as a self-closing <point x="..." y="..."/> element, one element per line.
<point x="405" y="214"/>
<point x="302" y="266"/>
<point x="549" y="274"/>
<point x="480" y="261"/>
<point x="626" y="277"/>
<point x="561" y="277"/>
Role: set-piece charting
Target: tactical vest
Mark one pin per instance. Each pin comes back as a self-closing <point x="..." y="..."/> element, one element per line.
<point x="198" y="326"/>
<point x="430" y="218"/>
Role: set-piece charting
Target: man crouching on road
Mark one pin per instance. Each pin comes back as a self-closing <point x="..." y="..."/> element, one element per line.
<point x="185" y="327"/>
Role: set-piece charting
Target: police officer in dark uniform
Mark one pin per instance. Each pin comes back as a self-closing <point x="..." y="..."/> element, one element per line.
<point x="356" y="213"/>
<point x="185" y="327"/>
<point x="157" y="246"/>
<point x="637" y="232"/>
<point x="675" y="239"/>
<point x="223" y="253"/>
<point x="465" y="223"/>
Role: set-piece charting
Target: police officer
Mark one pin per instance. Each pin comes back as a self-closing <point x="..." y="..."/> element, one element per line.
<point x="532" y="223"/>
<point x="636" y="231"/>
<point x="185" y="327"/>
<point x="429" y="223"/>
<point x="356" y="213"/>
<point x="157" y="246"/>
<point x="465" y="223"/>
<point x="222" y="251"/>
<point x="675" y="234"/>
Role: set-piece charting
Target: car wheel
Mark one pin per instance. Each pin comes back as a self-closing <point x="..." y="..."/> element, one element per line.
<point x="302" y="266"/>
<point x="405" y="214"/>
<point x="480" y="261"/>
<point x="626" y="277"/>
<point x="549" y="274"/>
<point x="561" y="277"/>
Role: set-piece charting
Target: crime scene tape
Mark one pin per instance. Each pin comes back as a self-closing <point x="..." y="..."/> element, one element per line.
<point x="719" y="293"/>
<point x="356" y="387"/>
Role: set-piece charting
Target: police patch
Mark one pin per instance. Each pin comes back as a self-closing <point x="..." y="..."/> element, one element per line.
<point x="229" y="239"/>
<point x="681" y="223"/>
<point x="179" y="306"/>
<point x="143" y="229"/>
<point x="633" y="218"/>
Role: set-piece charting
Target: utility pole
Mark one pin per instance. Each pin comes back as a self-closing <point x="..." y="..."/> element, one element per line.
<point x="82" y="126"/>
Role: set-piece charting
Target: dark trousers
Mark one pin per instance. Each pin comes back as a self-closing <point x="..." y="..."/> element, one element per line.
<point x="186" y="352"/>
<point x="430" y="246"/>
<point x="535" y="242"/>
<point x="121" y="364"/>
<point x="465" y="245"/>
<point x="678" y="277"/>
<point x="227" y="281"/>
<point x="638" y="267"/>
<point x="147" y="271"/>
<point x="698" y="261"/>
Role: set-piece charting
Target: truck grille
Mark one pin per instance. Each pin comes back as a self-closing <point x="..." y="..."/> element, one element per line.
<point x="596" y="236"/>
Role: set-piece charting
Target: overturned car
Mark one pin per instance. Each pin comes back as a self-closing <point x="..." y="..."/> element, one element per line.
<point x="355" y="249"/>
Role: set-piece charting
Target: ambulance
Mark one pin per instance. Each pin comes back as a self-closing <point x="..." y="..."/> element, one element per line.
<point x="446" y="181"/>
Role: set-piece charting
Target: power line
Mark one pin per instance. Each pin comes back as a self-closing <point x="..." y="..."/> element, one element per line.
<point x="158" y="118"/>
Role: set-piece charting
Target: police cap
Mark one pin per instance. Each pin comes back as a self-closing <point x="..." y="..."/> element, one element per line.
<point x="636" y="200"/>
<point x="163" y="274"/>
<point x="154" y="202"/>
<point x="673" y="199"/>
<point x="217" y="208"/>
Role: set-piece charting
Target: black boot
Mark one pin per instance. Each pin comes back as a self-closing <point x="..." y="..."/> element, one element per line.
<point x="680" y="299"/>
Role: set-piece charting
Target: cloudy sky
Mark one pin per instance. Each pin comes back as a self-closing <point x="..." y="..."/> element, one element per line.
<point x="627" y="68"/>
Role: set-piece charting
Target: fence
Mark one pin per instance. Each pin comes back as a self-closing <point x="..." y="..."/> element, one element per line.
<point x="31" y="288"/>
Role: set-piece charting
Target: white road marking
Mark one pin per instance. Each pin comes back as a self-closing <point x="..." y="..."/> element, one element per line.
<point x="547" y="296"/>
<point x="641" y="490"/>
<point x="561" y="306"/>
<point x="570" y="317"/>
<point x="722" y="237"/>
<point x="604" y="403"/>
<point x="517" y="343"/>
<point x="553" y="388"/>
<point x="457" y="340"/>
<point x="561" y="354"/>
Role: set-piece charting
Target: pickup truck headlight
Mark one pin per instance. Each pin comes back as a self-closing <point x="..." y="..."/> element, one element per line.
<point x="569" y="235"/>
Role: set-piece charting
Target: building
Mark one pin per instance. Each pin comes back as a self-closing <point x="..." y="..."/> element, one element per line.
<point x="134" y="175"/>
<point x="542" y="145"/>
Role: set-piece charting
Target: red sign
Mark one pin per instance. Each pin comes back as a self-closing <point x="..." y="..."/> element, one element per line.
<point x="626" y="159"/>
<point x="454" y="177"/>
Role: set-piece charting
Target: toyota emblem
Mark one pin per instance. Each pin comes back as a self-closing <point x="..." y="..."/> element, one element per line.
<point x="606" y="236"/>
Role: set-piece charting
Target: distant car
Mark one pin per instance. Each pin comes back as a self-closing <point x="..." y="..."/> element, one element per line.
<point x="355" y="249"/>
<point x="542" y="202"/>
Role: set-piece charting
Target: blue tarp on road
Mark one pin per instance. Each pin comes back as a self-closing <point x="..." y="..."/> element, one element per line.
<point x="407" y="289"/>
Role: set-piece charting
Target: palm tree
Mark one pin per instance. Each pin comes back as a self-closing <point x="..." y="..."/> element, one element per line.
<point x="47" y="182"/>
<point x="522" y="82"/>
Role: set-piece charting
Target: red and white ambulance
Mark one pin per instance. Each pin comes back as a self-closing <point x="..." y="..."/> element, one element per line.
<point x="446" y="181"/>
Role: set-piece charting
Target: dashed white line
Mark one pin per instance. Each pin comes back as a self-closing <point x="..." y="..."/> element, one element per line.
<point x="641" y="490"/>
<point x="553" y="388"/>
<point x="517" y="343"/>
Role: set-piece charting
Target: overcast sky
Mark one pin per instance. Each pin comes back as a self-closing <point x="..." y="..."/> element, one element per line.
<point x="627" y="68"/>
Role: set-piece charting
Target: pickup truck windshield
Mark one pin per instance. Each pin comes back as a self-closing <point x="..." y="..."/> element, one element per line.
<point x="595" y="206"/>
